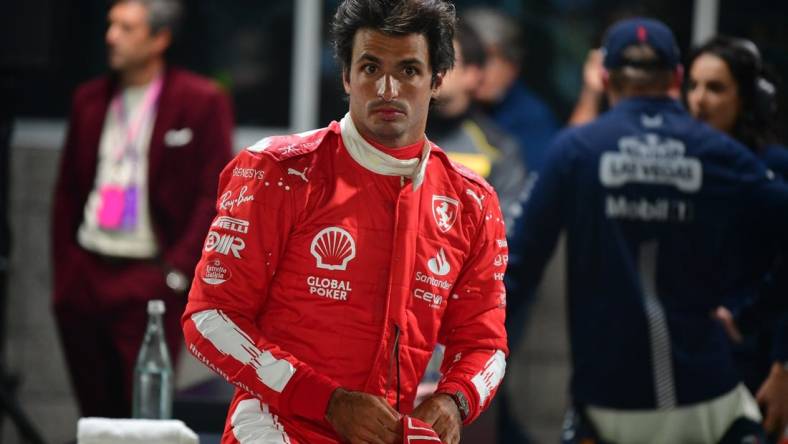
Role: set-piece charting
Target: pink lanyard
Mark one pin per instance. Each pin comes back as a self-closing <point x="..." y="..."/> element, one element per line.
<point x="132" y="129"/>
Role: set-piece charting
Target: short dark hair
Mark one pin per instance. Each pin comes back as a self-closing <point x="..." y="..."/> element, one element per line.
<point x="755" y="124"/>
<point x="642" y="73"/>
<point x="162" y="14"/>
<point x="471" y="46"/>
<point x="435" y="19"/>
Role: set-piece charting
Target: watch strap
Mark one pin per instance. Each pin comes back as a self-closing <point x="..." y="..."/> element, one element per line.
<point x="462" y="404"/>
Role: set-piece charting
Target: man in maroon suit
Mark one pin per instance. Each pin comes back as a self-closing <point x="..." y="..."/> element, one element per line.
<point x="134" y="197"/>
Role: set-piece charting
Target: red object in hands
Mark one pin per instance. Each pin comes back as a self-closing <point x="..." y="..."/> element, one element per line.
<point x="416" y="431"/>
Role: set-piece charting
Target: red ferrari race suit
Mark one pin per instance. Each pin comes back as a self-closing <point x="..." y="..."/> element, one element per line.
<point x="319" y="273"/>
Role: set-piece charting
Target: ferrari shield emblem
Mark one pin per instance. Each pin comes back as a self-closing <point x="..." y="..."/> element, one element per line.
<point x="444" y="210"/>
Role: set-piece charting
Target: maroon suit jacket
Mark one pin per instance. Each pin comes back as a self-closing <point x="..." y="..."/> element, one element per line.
<point x="182" y="180"/>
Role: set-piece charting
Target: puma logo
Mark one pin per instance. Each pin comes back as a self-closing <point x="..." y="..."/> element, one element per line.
<point x="476" y="198"/>
<point x="301" y="174"/>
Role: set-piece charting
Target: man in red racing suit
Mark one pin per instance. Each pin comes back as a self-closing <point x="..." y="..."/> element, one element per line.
<point x="335" y="264"/>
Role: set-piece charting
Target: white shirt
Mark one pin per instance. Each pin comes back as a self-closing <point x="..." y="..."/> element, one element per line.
<point x="139" y="242"/>
<point x="705" y="422"/>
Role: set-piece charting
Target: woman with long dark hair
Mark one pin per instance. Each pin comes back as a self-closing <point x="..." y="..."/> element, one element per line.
<point x="728" y="87"/>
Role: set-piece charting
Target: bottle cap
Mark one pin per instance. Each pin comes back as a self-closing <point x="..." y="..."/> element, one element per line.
<point x="156" y="307"/>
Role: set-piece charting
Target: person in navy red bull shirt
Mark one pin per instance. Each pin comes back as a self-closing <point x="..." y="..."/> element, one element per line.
<point x="652" y="201"/>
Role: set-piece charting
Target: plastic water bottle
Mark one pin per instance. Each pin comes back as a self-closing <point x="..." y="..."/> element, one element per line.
<point x="153" y="386"/>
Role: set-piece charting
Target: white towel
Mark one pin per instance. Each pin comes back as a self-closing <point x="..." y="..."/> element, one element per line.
<point x="134" y="431"/>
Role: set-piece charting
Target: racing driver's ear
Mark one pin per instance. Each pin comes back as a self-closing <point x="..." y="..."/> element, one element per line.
<point x="346" y="79"/>
<point x="437" y="81"/>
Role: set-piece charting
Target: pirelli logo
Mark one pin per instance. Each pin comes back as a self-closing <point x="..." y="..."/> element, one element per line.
<point x="232" y="224"/>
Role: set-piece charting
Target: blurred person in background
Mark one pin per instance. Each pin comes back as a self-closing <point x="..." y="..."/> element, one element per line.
<point x="729" y="88"/>
<point x="512" y="105"/>
<point x="134" y="196"/>
<point x="471" y="138"/>
<point x="520" y="112"/>
<point x="341" y="256"/>
<point x="651" y="200"/>
<point x="591" y="100"/>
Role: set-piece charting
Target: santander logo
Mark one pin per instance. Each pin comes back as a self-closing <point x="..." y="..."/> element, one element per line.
<point x="438" y="264"/>
<point x="333" y="248"/>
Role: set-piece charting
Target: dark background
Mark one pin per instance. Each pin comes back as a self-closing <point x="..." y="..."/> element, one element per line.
<point x="48" y="47"/>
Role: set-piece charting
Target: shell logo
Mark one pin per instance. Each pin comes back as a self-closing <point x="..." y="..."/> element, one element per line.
<point x="333" y="247"/>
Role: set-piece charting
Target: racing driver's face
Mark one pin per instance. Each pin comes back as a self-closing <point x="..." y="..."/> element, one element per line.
<point x="389" y="81"/>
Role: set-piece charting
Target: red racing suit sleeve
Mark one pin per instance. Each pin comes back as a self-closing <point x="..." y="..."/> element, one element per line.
<point x="256" y="209"/>
<point x="473" y="326"/>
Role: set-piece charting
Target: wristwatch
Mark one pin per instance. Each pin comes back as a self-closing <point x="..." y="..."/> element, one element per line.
<point x="462" y="404"/>
<point x="177" y="281"/>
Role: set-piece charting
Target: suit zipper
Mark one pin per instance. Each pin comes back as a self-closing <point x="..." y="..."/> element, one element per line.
<point x="394" y="361"/>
